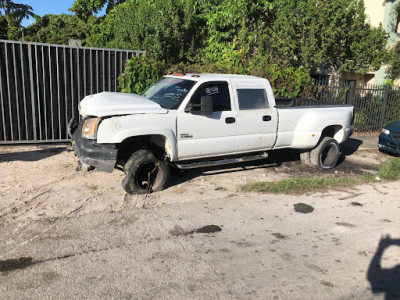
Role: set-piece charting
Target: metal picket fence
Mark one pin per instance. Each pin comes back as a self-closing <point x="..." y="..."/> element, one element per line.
<point x="42" y="84"/>
<point x="374" y="105"/>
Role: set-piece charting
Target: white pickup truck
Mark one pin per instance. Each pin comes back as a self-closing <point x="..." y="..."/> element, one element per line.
<point x="190" y="120"/>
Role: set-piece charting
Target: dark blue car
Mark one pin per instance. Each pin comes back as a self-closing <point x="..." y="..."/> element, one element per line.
<point x="389" y="139"/>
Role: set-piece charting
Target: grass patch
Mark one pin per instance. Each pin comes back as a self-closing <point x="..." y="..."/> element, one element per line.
<point x="389" y="170"/>
<point x="299" y="185"/>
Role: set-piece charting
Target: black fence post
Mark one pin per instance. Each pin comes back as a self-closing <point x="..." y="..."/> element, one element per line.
<point x="32" y="91"/>
<point x="385" y="100"/>
<point x="352" y="93"/>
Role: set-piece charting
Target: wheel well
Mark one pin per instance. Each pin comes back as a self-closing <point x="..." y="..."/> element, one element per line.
<point x="158" y="144"/>
<point x="333" y="131"/>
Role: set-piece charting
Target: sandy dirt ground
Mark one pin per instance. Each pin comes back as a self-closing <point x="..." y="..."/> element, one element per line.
<point x="44" y="182"/>
<point x="68" y="233"/>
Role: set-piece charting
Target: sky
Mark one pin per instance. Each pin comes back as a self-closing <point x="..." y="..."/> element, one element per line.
<point x="42" y="7"/>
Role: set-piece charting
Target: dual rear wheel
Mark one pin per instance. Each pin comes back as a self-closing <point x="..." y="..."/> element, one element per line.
<point x="325" y="156"/>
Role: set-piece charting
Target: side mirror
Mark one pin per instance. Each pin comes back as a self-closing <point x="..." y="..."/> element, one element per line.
<point x="204" y="108"/>
<point x="207" y="106"/>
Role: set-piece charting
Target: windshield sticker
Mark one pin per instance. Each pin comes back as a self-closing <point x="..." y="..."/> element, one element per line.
<point x="211" y="90"/>
<point x="173" y="96"/>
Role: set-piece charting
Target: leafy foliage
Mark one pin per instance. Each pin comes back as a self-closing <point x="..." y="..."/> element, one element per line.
<point x="396" y="10"/>
<point x="3" y="27"/>
<point x="139" y="74"/>
<point x="285" y="82"/>
<point x="253" y="35"/>
<point x="234" y="29"/>
<point x="289" y="82"/>
<point x="58" y="29"/>
<point x="394" y="63"/>
<point x="168" y="30"/>
<point x="86" y="8"/>
<point x="282" y="40"/>
<point x="312" y="34"/>
<point x="14" y="14"/>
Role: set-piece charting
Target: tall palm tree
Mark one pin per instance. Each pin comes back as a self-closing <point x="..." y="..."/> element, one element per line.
<point x="14" y="14"/>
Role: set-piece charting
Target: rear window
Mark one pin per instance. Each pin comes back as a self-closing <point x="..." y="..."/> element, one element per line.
<point x="252" y="99"/>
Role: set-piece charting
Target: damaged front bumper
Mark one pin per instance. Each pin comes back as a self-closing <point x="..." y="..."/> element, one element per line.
<point x="101" y="156"/>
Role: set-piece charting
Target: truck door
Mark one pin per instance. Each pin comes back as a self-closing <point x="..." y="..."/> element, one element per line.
<point x="202" y="135"/>
<point x="256" y="120"/>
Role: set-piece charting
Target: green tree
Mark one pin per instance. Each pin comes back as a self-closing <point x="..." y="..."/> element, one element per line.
<point x="396" y="10"/>
<point x="394" y="64"/>
<point x="14" y="14"/>
<point x="3" y="27"/>
<point x="139" y="74"/>
<point x="58" y="29"/>
<point x="86" y="8"/>
<point x="234" y="30"/>
<point x="311" y="34"/>
<point x="168" y="30"/>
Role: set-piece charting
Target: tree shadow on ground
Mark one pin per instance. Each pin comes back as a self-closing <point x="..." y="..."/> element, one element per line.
<point x="384" y="280"/>
<point x="181" y="176"/>
<point x="284" y="161"/>
<point x="32" y="155"/>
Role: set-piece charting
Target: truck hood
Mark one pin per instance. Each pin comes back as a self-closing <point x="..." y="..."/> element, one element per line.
<point x="111" y="104"/>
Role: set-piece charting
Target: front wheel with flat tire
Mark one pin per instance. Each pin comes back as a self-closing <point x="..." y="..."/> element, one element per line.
<point x="326" y="154"/>
<point x="145" y="173"/>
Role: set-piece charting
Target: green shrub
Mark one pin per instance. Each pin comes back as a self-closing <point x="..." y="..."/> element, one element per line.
<point x="139" y="74"/>
<point x="207" y="68"/>
<point x="289" y="81"/>
<point x="285" y="82"/>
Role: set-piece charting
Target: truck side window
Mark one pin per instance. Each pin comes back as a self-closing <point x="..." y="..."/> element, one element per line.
<point x="252" y="99"/>
<point x="219" y="93"/>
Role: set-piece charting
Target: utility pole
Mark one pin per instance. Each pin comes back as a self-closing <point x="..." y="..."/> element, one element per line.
<point x="22" y="31"/>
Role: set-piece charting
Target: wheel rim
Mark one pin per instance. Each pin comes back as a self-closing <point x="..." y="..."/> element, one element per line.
<point x="329" y="156"/>
<point x="143" y="180"/>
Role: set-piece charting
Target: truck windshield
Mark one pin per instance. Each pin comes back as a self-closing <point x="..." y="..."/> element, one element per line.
<point x="169" y="92"/>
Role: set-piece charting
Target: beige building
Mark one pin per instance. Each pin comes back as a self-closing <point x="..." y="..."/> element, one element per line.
<point x="375" y="10"/>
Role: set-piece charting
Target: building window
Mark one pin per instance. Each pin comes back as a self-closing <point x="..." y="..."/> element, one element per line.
<point x="319" y="79"/>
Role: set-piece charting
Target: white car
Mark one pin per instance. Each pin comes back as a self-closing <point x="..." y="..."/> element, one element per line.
<point x="190" y="120"/>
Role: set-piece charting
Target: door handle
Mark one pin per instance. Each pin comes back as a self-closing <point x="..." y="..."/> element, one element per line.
<point x="266" y="118"/>
<point x="230" y="120"/>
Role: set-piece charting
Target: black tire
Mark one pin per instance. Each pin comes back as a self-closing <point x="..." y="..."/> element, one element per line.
<point x="326" y="154"/>
<point x="137" y="170"/>
<point x="305" y="158"/>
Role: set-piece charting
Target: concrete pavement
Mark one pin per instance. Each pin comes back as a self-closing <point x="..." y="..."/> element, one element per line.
<point x="265" y="250"/>
<point x="362" y="142"/>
